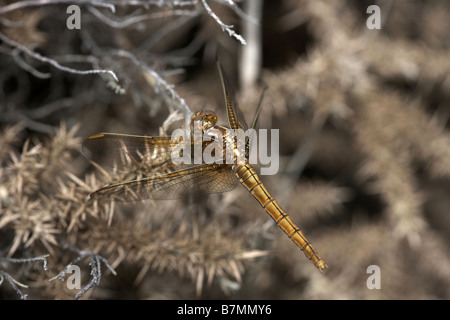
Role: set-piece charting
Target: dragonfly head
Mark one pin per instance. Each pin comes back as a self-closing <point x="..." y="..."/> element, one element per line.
<point x="207" y="118"/>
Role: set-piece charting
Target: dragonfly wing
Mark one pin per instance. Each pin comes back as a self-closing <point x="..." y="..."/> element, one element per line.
<point x="235" y="117"/>
<point x="208" y="178"/>
<point x="131" y="153"/>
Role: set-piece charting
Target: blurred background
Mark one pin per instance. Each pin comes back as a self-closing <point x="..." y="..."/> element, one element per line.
<point x="364" y="146"/>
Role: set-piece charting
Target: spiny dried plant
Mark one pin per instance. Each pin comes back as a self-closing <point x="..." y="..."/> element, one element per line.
<point x="364" y="147"/>
<point x="45" y="205"/>
<point x="393" y="143"/>
<point x="44" y="201"/>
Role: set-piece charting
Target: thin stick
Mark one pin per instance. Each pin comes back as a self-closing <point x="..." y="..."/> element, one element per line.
<point x="37" y="3"/>
<point x="52" y="62"/>
<point x="159" y="81"/>
<point x="136" y="19"/>
<point x="224" y="27"/>
<point x="94" y="263"/>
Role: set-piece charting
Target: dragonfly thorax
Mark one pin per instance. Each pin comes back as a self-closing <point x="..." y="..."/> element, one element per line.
<point x="228" y="145"/>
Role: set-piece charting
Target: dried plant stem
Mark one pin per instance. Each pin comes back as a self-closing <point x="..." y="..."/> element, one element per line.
<point x="139" y="18"/>
<point x="94" y="263"/>
<point x="228" y="28"/>
<point x="25" y="66"/>
<point x="13" y="282"/>
<point x="160" y="82"/>
<point x="37" y="3"/>
<point x="52" y="62"/>
<point x="42" y="258"/>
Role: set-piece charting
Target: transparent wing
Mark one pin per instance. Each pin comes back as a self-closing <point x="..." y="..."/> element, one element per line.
<point x="132" y="153"/>
<point x="235" y="116"/>
<point x="208" y="178"/>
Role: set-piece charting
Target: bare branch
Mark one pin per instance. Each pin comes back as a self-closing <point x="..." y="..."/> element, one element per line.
<point x="248" y="17"/>
<point x="36" y="3"/>
<point x="111" y="83"/>
<point x="139" y="18"/>
<point x="13" y="282"/>
<point x="160" y="82"/>
<point x="25" y="66"/>
<point x="94" y="263"/>
<point x="159" y="3"/>
<point x="228" y="28"/>
<point x="163" y="32"/>
<point x="52" y="62"/>
<point x="15" y="117"/>
<point x="23" y="260"/>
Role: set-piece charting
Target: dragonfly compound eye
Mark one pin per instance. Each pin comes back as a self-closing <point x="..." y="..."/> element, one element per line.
<point x="209" y="119"/>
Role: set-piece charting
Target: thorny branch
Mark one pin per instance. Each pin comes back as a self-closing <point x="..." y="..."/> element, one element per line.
<point x="115" y="23"/>
<point x="95" y="262"/>
<point x="13" y="282"/>
<point x="139" y="18"/>
<point x="37" y="3"/>
<point x="160" y="82"/>
<point x="59" y="207"/>
<point x="224" y="27"/>
<point x="52" y="62"/>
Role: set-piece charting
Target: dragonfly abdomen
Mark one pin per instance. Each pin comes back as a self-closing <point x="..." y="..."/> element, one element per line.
<point x="251" y="181"/>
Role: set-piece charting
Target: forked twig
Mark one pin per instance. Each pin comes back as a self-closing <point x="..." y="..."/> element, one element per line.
<point x="35" y="3"/>
<point x="228" y="28"/>
<point x="34" y="259"/>
<point x="52" y="62"/>
<point x="159" y="82"/>
<point x="94" y="263"/>
<point x="124" y="23"/>
<point x="13" y="282"/>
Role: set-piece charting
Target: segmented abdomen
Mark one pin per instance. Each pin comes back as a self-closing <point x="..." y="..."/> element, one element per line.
<point x="249" y="178"/>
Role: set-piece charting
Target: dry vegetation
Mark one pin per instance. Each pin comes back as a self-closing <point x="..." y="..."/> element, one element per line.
<point x="364" y="142"/>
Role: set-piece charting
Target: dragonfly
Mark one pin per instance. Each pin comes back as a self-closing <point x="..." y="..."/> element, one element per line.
<point x="162" y="178"/>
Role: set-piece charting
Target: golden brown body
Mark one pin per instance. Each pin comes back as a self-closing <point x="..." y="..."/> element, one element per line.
<point x="164" y="179"/>
<point x="250" y="180"/>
